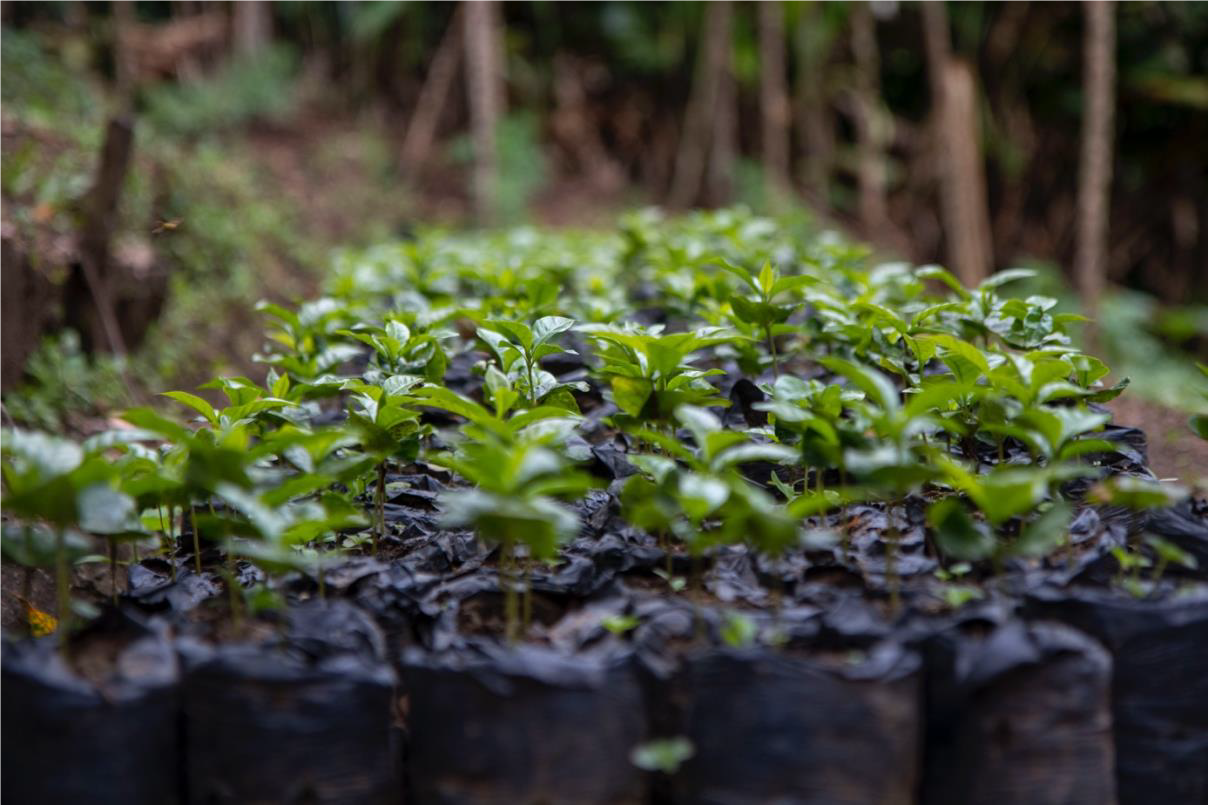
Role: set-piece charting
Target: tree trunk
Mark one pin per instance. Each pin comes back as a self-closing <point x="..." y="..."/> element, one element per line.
<point x="957" y="152"/>
<point x="99" y="221"/>
<point x="870" y="136"/>
<point x="431" y="103"/>
<point x="253" y="26"/>
<point x="814" y="118"/>
<point x="725" y="115"/>
<point x="1095" y="164"/>
<point x="773" y="101"/>
<point x="967" y="216"/>
<point x="701" y="118"/>
<point x="25" y="309"/>
<point x="484" y="87"/>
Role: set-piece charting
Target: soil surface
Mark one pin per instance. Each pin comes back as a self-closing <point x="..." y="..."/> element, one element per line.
<point x="1174" y="451"/>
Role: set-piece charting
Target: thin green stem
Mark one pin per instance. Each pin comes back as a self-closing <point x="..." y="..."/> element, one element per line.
<point x="172" y="541"/>
<point x="234" y="594"/>
<point x="532" y="381"/>
<point x="196" y="539"/>
<point x="772" y="350"/>
<point x="379" y="526"/>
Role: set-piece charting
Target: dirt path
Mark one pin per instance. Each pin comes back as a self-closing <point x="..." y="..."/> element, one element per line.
<point x="1174" y="451"/>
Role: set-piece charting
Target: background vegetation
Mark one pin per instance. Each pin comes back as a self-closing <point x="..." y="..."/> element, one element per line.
<point x="268" y="135"/>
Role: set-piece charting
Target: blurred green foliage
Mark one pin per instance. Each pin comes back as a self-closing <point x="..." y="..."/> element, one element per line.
<point x="243" y="89"/>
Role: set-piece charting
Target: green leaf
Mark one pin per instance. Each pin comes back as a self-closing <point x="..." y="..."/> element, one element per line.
<point x="1003" y="277"/>
<point x="105" y="510"/>
<point x="1045" y="533"/>
<point x="959" y="356"/>
<point x="700" y="421"/>
<point x="738" y="631"/>
<point x="631" y="394"/>
<point x="785" y="284"/>
<point x="747" y="311"/>
<point x="746" y="453"/>
<point x="741" y="273"/>
<point x="957" y="534"/>
<point x="1199" y="425"/>
<point x="196" y="403"/>
<point x="45" y="454"/>
<point x="547" y="327"/>
<point x="1170" y="553"/>
<point x="664" y="755"/>
<point x="1137" y="493"/>
<point x="766" y="280"/>
<point x="518" y="332"/>
<point x="1007" y="493"/>
<point x="878" y="388"/>
<point x="619" y="624"/>
<point x="944" y="276"/>
<point x="701" y="495"/>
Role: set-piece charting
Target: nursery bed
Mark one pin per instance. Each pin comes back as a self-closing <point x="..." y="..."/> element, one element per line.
<point x="988" y="614"/>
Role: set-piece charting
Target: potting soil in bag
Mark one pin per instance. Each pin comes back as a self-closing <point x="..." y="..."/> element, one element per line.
<point x="306" y="717"/>
<point x="490" y="724"/>
<point x="771" y="726"/>
<point x="1017" y="714"/>
<point x="789" y="717"/>
<point x="100" y="728"/>
<point x="1159" y="686"/>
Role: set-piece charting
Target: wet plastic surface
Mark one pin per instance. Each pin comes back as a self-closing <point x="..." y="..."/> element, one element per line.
<point x="304" y="719"/>
<point x="1017" y="714"/>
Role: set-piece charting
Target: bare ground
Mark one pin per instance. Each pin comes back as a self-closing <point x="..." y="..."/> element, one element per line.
<point x="1174" y="451"/>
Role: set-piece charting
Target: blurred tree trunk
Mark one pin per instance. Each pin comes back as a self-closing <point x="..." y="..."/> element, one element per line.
<point x="89" y="305"/>
<point x="724" y="151"/>
<point x="701" y="118"/>
<point x="123" y="23"/>
<point x="957" y="152"/>
<point x="253" y="26"/>
<point x="1095" y="163"/>
<point x="25" y="308"/>
<point x="870" y="136"/>
<point x="484" y="88"/>
<point x="432" y="96"/>
<point x="813" y="117"/>
<point x="773" y="101"/>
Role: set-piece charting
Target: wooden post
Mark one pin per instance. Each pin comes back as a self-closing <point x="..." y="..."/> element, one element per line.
<point x="814" y="122"/>
<point x="700" y="119"/>
<point x="1095" y="163"/>
<point x="874" y="215"/>
<point x="956" y="152"/>
<point x="484" y="86"/>
<point x="100" y="219"/>
<point x="773" y="101"/>
<point x="431" y="103"/>
<point x="724" y="149"/>
<point x="253" y="26"/>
